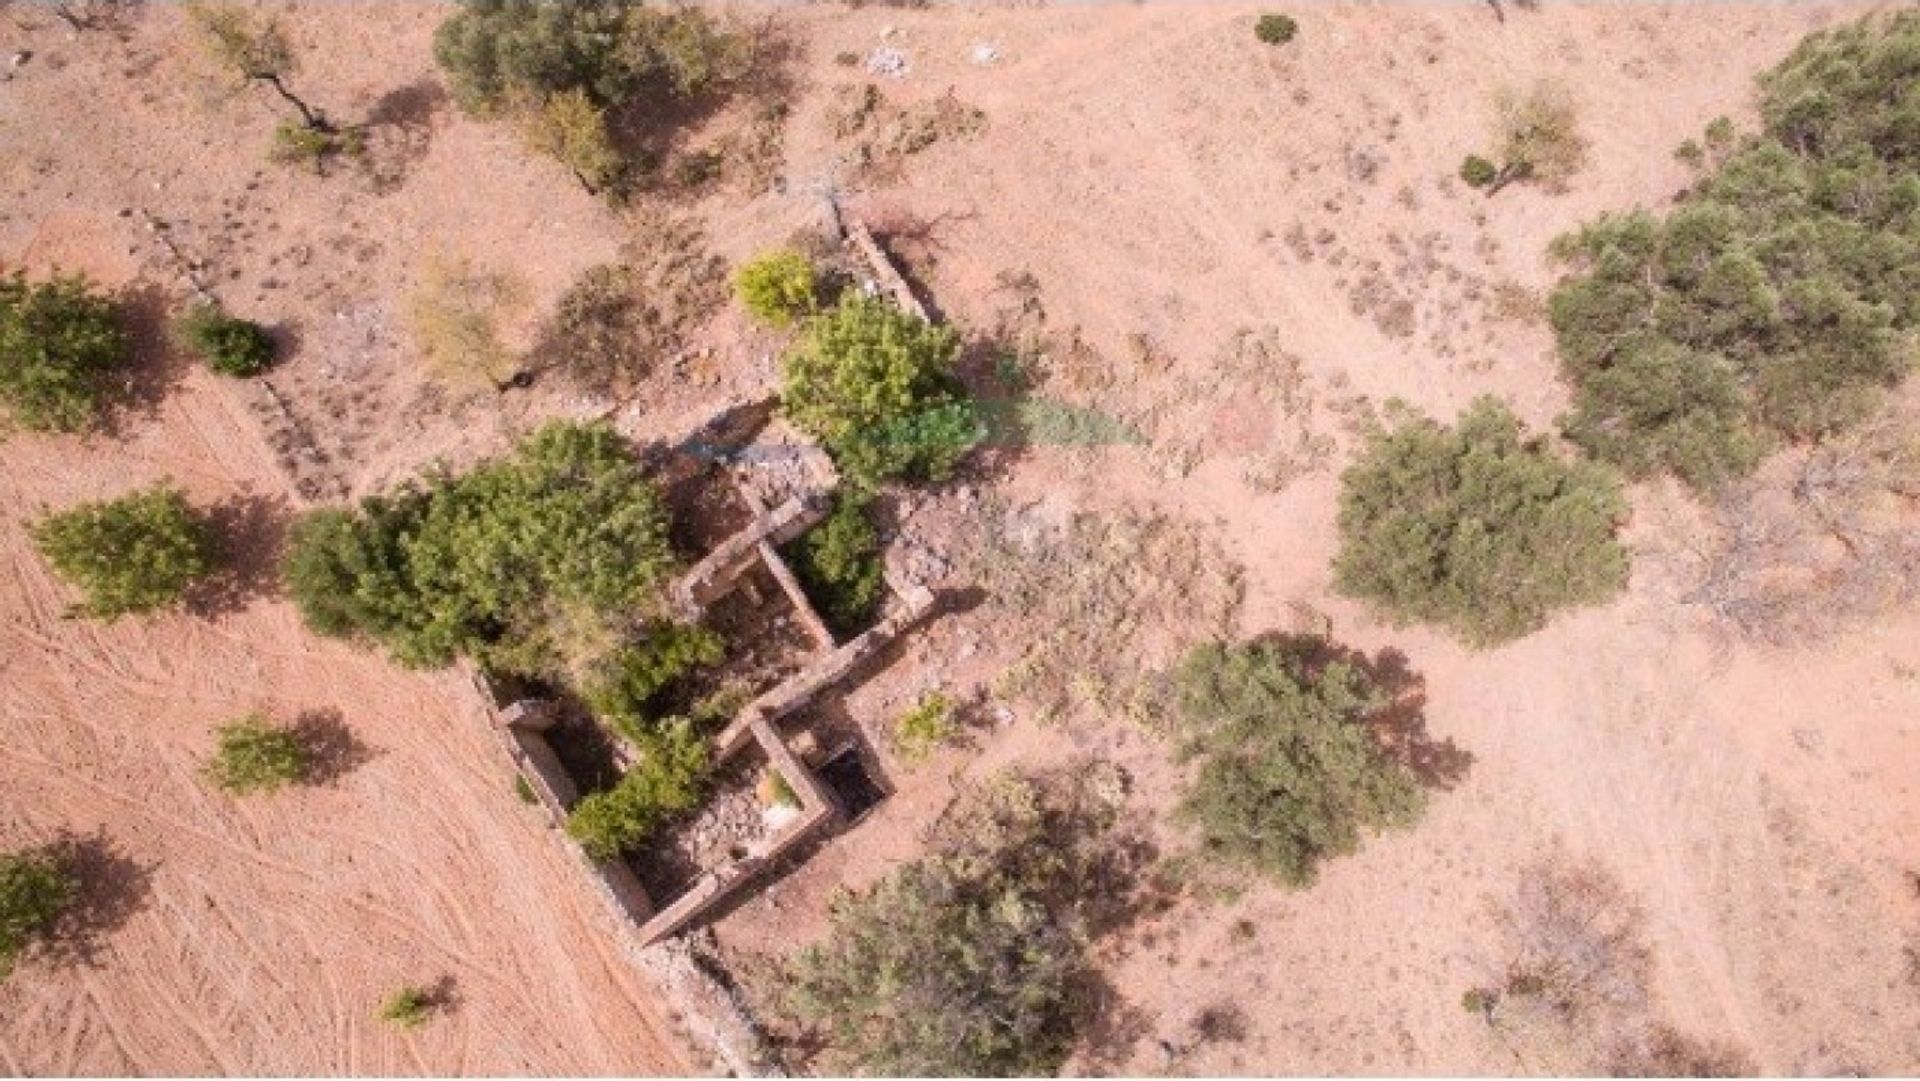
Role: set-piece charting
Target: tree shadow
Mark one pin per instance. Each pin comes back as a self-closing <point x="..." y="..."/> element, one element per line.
<point x="154" y="367"/>
<point x="249" y="530"/>
<point x="1401" y="722"/>
<point x="399" y="130"/>
<point x="649" y="130"/>
<point x="333" y="751"/>
<point x="442" y="996"/>
<point x="112" y="888"/>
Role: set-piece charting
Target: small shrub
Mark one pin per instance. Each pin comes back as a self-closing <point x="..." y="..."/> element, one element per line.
<point x="129" y="555"/>
<point x="314" y="148"/>
<point x="774" y="791"/>
<point x="59" y="343"/>
<point x="1275" y="29"/>
<point x="1478" y="172"/>
<point x="838" y="562"/>
<point x="36" y="890"/>
<point x="229" y="345"/>
<point x="778" y="287"/>
<point x="523" y="791"/>
<point x="1289" y="774"/>
<point x="876" y="386"/>
<point x="409" y="1007"/>
<point x="255" y="755"/>
<point x="1476" y="528"/>
<point x="667" y="779"/>
<point x="924" y="727"/>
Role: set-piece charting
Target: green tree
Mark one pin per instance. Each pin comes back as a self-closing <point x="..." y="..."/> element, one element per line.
<point x="875" y="385"/>
<point x="229" y="345"/>
<point x="1287" y="774"/>
<point x="59" y="343"/>
<point x="36" y="890"/>
<point x="778" y="287"/>
<point x="1476" y="528"/>
<point x="129" y="555"/>
<point x="255" y="755"/>
<point x="538" y="563"/>
<point x="838" y="562"/>
<point x="1780" y="299"/>
<point x="667" y="779"/>
<point x="969" y="961"/>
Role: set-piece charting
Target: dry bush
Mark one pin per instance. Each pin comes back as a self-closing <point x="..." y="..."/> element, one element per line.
<point x="1574" y="990"/>
<point x="1105" y="598"/>
<point x="455" y="314"/>
<point x="1805" y="554"/>
<point x="1537" y="132"/>
<point x="1576" y="942"/>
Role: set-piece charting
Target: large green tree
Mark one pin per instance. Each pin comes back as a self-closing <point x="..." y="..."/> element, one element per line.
<point x="542" y="562"/>
<point x="1477" y="528"/>
<point x="876" y="386"/>
<point x="1781" y="297"/>
<point x="1287" y="772"/>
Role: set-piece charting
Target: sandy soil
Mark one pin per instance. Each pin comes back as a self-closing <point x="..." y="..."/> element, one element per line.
<point x="1168" y="183"/>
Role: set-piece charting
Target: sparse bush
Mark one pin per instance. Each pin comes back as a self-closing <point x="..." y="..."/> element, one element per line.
<point x="229" y="345"/>
<point x="778" y="287"/>
<point x="572" y="130"/>
<point x="1275" y="29"/>
<point x="838" y="562"/>
<point x="666" y="780"/>
<point x="1780" y="298"/>
<point x="1476" y="528"/>
<point x="599" y="332"/>
<point x="1478" y="172"/>
<point x="59" y="342"/>
<point x="924" y="727"/>
<point x="255" y="50"/>
<point x="36" y="890"/>
<point x="968" y="961"/>
<point x="129" y="555"/>
<point x="876" y="386"/>
<point x="255" y="755"/>
<point x="409" y="1007"/>
<point x="1289" y="774"/>
<point x="538" y="563"/>
<point x="455" y="314"/>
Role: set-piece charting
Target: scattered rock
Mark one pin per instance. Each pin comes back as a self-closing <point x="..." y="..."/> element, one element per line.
<point x="984" y="53"/>
<point x="891" y="62"/>
<point x="22" y="57"/>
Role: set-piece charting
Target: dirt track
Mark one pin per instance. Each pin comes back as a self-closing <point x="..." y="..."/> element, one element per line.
<point x="1167" y="182"/>
<point x="264" y="933"/>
